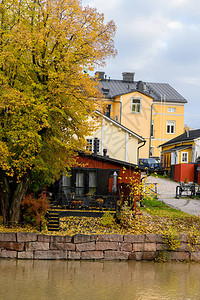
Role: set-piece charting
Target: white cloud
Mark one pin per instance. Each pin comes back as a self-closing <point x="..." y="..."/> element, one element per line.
<point x="175" y="25"/>
<point x="160" y="41"/>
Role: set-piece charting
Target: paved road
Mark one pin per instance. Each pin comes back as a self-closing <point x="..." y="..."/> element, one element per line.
<point x="167" y="192"/>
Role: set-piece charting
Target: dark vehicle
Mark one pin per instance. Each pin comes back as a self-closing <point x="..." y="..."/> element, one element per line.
<point x="150" y="164"/>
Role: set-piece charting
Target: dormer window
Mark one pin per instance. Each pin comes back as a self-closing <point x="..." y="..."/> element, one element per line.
<point x="105" y="91"/>
<point x="136" y="105"/>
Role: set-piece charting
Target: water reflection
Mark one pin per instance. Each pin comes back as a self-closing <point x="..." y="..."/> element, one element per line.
<point x="98" y="280"/>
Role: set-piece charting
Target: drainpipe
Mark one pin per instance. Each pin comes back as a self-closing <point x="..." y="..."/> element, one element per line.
<point x="144" y="142"/>
<point x="150" y="130"/>
<point x="120" y="117"/>
<point x="103" y="137"/>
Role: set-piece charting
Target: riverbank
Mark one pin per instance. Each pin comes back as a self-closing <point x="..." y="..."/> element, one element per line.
<point x="97" y="247"/>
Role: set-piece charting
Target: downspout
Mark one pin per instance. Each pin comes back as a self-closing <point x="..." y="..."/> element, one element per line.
<point x="103" y="137"/>
<point x="126" y="143"/>
<point x="120" y="109"/>
<point x="120" y="113"/>
<point x="150" y="129"/>
<point x="144" y="142"/>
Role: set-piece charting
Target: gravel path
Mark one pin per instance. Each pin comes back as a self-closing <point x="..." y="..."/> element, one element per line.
<point x="167" y="192"/>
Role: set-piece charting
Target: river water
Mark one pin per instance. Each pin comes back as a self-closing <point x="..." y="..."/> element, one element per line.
<point x="88" y="280"/>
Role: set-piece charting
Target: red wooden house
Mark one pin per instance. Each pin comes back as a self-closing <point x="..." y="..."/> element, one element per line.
<point x="98" y="176"/>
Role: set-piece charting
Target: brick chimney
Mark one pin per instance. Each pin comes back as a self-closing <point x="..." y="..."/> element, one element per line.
<point x="128" y="77"/>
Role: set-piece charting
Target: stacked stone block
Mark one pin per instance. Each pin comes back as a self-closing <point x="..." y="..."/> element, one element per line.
<point x="92" y="247"/>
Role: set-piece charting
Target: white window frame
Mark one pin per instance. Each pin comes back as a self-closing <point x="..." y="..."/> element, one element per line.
<point x="137" y="105"/>
<point x="171" y="124"/>
<point x="171" y="109"/>
<point x="184" y="157"/>
<point x="90" y="145"/>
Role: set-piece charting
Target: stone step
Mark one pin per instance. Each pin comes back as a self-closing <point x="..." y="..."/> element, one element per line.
<point x="53" y="221"/>
<point x="54" y="218"/>
<point x="53" y="229"/>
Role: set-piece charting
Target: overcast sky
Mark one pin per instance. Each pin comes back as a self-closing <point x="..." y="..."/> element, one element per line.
<point x="159" y="40"/>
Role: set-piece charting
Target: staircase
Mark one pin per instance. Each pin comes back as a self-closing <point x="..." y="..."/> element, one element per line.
<point x="53" y="221"/>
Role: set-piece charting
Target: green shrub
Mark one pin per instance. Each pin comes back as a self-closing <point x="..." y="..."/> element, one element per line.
<point x="107" y="220"/>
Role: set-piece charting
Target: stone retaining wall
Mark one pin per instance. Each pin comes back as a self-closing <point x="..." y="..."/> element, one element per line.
<point x="96" y="247"/>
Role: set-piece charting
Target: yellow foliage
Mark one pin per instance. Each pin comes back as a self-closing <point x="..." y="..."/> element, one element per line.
<point x="45" y="97"/>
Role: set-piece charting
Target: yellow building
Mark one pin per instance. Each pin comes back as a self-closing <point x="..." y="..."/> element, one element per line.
<point x="185" y="148"/>
<point x="116" y="141"/>
<point x="154" y="111"/>
<point x="133" y="110"/>
<point x="167" y="117"/>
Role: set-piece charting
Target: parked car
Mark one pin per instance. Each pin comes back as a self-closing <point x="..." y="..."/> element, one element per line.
<point x="151" y="164"/>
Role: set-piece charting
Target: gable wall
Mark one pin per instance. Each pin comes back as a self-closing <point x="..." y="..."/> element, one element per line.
<point x="137" y="122"/>
<point x="160" y="116"/>
<point x="119" y="143"/>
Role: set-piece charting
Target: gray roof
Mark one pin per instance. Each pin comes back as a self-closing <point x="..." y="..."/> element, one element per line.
<point x="158" y="91"/>
<point x="184" y="137"/>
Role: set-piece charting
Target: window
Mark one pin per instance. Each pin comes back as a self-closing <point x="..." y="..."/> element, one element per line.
<point x="108" y="110"/>
<point x="184" y="157"/>
<point x="80" y="183"/>
<point x="136" y="105"/>
<point x="90" y="145"/>
<point x="92" y="182"/>
<point x="152" y="129"/>
<point x="171" y="127"/>
<point x="66" y="184"/>
<point x="171" y="109"/>
<point x="96" y="144"/>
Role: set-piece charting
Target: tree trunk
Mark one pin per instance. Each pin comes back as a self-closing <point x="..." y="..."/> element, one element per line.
<point x="12" y="192"/>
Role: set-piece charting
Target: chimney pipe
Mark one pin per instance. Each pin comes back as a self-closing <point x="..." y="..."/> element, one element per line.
<point x="140" y="86"/>
<point x="104" y="152"/>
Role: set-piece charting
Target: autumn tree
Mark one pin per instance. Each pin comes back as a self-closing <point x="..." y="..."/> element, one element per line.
<point x="45" y="95"/>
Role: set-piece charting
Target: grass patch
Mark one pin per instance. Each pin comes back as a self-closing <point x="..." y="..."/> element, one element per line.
<point x="158" y="208"/>
<point x="164" y="176"/>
